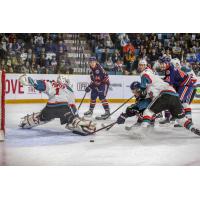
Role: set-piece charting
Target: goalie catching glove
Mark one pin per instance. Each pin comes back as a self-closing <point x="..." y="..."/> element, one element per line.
<point x="26" y="80"/>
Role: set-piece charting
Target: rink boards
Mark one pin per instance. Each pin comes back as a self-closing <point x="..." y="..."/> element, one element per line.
<point x="118" y="91"/>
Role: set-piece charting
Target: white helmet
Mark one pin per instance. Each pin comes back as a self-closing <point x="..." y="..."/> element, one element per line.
<point x="62" y="79"/>
<point x="176" y="62"/>
<point x="142" y="62"/>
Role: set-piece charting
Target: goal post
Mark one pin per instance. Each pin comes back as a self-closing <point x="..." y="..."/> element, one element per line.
<point x="2" y="106"/>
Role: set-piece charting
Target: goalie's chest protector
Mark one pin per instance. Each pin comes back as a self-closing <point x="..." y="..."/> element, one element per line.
<point x="59" y="93"/>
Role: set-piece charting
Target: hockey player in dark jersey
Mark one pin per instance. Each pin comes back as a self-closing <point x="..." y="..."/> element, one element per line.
<point x="182" y="82"/>
<point x="98" y="87"/>
<point x="188" y="70"/>
<point x="135" y="109"/>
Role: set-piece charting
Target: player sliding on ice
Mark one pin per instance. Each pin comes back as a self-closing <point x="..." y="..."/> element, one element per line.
<point x="61" y="104"/>
<point x="138" y="108"/>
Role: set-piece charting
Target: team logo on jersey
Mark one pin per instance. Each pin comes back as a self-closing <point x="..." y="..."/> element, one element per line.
<point x="97" y="71"/>
<point x="167" y="72"/>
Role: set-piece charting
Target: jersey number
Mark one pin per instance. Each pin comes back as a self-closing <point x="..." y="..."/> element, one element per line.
<point x="57" y="91"/>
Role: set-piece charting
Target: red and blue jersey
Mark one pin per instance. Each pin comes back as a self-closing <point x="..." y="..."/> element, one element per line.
<point x="99" y="76"/>
<point x="176" y="77"/>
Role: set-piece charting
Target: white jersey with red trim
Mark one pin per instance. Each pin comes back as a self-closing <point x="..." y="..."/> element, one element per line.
<point x="154" y="84"/>
<point x="59" y="93"/>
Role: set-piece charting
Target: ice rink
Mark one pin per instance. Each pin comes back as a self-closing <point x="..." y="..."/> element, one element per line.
<point x="52" y="144"/>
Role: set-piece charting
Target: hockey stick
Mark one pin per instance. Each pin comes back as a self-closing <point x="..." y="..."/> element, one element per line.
<point x="82" y="101"/>
<point x="119" y="107"/>
<point x="108" y="126"/>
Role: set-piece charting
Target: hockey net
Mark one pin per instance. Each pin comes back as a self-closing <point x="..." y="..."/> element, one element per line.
<point x="2" y="106"/>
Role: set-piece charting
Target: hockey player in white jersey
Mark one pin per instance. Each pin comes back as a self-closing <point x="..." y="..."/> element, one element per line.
<point x="61" y="104"/>
<point x="164" y="97"/>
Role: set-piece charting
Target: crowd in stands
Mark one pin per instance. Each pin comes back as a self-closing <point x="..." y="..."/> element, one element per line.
<point x="33" y="53"/>
<point x="118" y="53"/>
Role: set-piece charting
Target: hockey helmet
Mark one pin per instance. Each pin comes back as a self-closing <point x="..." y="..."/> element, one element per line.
<point x="176" y="62"/>
<point x="135" y="85"/>
<point x="164" y="59"/>
<point x="93" y="58"/>
<point x="142" y="62"/>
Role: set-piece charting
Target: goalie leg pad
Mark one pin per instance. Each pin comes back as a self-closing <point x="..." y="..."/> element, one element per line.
<point x="81" y="126"/>
<point x="32" y="120"/>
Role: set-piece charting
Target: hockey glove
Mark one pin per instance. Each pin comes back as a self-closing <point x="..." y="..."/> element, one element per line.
<point x="87" y="89"/>
<point x="131" y="111"/>
<point x="121" y="119"/>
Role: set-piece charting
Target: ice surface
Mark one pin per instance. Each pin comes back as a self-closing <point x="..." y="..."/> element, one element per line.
<point x="52" y="144"/>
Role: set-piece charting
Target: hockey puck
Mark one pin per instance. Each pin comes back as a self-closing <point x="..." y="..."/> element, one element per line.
<point x="91" y="140"/>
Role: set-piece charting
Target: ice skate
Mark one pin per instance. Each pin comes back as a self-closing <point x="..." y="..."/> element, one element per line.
<point x="89" y="113"/>
<point x="103" y="116"/>
<point x="164" y="121"/>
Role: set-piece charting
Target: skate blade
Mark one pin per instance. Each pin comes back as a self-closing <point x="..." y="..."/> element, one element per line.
<point x="100" y="118"/>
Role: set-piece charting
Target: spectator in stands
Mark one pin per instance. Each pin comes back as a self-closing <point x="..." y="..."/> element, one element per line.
<point x="177" y="51"/>
<point x="2" y="53"/>
<point x="128" y="60"/>
<point x="61" y="47"/>
<point x="153" y="56"/>
<point x="42" y="61"/>
<point x="109" y="64"/>
<point x="128" y="48"/>
<point x="168" y="54"/>
<point x="118" y="67"/>
<point x="160" y="49"/>
<point x="11" y="38"/>
<point x="23" y="54"/>
<point x="116" y="56"/>
<point x="124" y="40"/>
<point x="143" y="54"/>
<point x="107" y="41"/>
<point x="39" y="40"/>
<point x="29" y="55"/>
<point x="138" y="42"/>
<point x="50" y="47"/>
<point x="15" y="46"/>
<point x="104" y="56"/>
